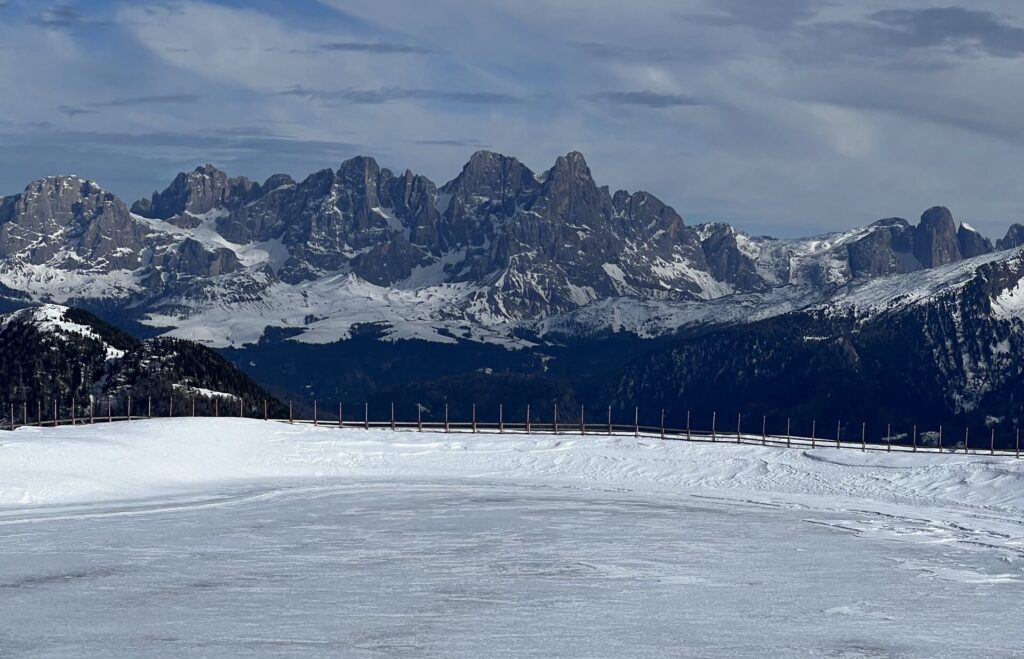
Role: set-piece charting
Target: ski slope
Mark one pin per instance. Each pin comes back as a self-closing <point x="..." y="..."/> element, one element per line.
<point x="239" y="537"/>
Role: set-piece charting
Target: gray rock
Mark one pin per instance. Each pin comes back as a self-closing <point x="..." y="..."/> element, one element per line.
<point x="72" y="224"/>
<point x="1014" y="237"/>
<point x="935" y="238"/>
<point x="197" y="192"/>
<point x="972" y="243"/>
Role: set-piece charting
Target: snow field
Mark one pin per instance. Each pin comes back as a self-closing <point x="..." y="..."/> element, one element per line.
<point x="234" y="537"/>
<point x="152" y="458"/>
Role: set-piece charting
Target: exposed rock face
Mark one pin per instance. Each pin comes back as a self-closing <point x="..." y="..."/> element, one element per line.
<point x="195" y="193"/>
<point x="935" y="239"/>
<point x="192" y="258"/>
<point x="727" y="262"/>
<point x="887" y="250"/>
<point x="971" y="242"/>
<point x="1014" y="238"/>
<point x="70" y="223"/>
<point x="499" y="245"/>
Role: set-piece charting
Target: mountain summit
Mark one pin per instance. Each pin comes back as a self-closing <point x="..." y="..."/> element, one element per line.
<point x="496" y="249"/>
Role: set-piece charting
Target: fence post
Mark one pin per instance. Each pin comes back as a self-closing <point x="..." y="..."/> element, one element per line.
<point x="446" y="417"/>
<point x="527" y="418"/>
<point x="555" y="419"/>
<point x="1018" y="443"/>
<point x="241" y="407"/>
<point x="967" y="439"/>
<point x="419" y="418"/>
<point x="92" y="419"/>
<point x="687" y="425"/>
<point x="474" y="418"/>
<point x="636" y="421"/>
<point x="170" y="405"/>
<point x="863" y="436"/>
<point x="266" y="416"/>
<point x="915" y="438"/>
<point x="291" y="417"/>
<point x="149" y="407"/>
<point x="192" y="401"/>
<point x="341" y="415"/>
<point x="14" y="422"/>
<point x="110" y="409"/>
<point x="888" y="437"/>
<point x="992" y="444"/>
<point x="764" y="428"/>
<point x="314" y="413"/>
<point x="74" y="404"/>
<point x="501" y="418"/>
<point x="714" y="416"/>
<point x="663" y="423"/>
<point x="839" y="430"/>
<point x="940" y="439"/>
<point x="216" y="406"/>
<point x="609" y="419"/>
<point x="392" y="416"/>
<point x="129" y="408"/>
<point x="789" y="434"/>
<point x="55" y="412"/>
<point x="583" y="423"/>
<point x="24" y="410"/>
<point x="366" y="416"/>
<point x="739" y="419"/>
<point x="814" y="429"/>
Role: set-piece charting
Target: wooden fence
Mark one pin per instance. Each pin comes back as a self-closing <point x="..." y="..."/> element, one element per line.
<point x="125" y="410"/>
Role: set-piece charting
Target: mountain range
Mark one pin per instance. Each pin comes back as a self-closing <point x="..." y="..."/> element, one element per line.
<point x="360" y="282"/>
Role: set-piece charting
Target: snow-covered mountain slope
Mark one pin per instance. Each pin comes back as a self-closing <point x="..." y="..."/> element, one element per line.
<point x="497" y="251"/>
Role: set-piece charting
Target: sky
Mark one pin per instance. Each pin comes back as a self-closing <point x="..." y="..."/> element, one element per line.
<point x="785" y="117"/>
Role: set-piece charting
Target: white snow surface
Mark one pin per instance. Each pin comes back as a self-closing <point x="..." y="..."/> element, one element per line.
<point x="230" y="537"/>
<point x="156" y="457"/>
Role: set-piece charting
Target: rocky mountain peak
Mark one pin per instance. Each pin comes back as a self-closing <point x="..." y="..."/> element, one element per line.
<point x="63" y="220"/>
<point x="359" y="171"/>
<point x="1014" y="237"/>
<point x="935" y="238"/>
<point x="971" y="242"/>
<point x="569" y="193"/>
<point x="194" y="193"/>
<point x="489" y="178"/>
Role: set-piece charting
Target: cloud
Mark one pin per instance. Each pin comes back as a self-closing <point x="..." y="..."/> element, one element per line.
<point x="773" y="16"/>
<point x="389" y="94"/>
<point x="648" y="99"/>
<point x="133" y="164"/>
<point x="63" y="17"/>
<point x="476" y="144"/>
<point x="955" y="27"/>
<point x="794" y="116"/>
<point x="159" y="99"/>
<point x="374" y="48"/>
<point x="72" y="111"/>
<point x="622" y="52"/>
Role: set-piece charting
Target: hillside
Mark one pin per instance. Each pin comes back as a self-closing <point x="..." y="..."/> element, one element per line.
<point x="53" y="353"/>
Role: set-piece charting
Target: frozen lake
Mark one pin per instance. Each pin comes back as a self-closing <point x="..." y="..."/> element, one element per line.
<point x="474" y="569"/>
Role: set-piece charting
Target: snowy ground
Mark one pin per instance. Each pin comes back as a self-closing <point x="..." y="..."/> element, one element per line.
<point x="231" y="537"/>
